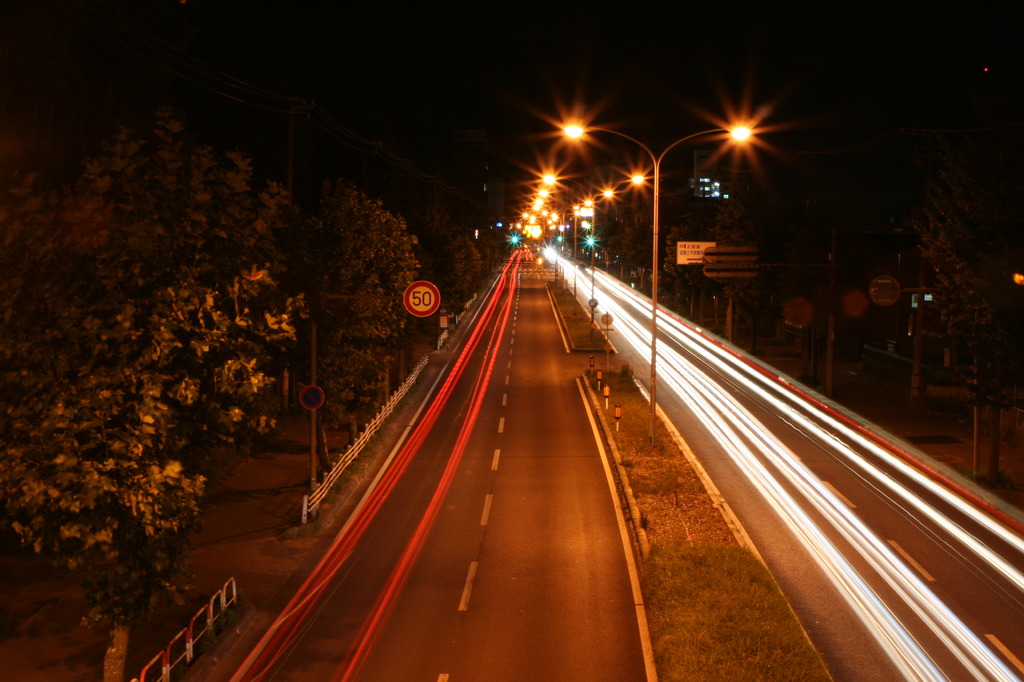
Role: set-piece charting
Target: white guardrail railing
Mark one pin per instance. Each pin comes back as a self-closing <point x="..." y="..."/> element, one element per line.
<point x="311" y="502"/>
<point x="182" y="647"/>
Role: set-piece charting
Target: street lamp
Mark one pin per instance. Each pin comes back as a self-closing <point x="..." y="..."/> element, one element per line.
<point x="551" y="181"/>
<point x="588" y="205"/>
<point x="577" y="132"/>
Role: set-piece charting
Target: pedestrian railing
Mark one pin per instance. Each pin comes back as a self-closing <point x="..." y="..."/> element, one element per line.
<point x="181" y="650"/>
<point x="310" y="503"/>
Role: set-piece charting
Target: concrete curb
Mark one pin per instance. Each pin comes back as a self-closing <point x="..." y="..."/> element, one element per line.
<point x="563" y="329"/>
<point x="635" y="519"/>
<point x="731" y="520"/>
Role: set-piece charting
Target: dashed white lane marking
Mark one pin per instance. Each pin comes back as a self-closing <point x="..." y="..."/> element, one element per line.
<point x="494" y="462"/>
<point x="501" y="425"/>
<point x="1006" y="652"/>
<point x="910" y="560"/>
<point x="841" y="496"/>
<point x="487" y="509"/>
<point x="468" y="589"/>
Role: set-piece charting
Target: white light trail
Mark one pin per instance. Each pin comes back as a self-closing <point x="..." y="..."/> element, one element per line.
<point x="781" y="478"/>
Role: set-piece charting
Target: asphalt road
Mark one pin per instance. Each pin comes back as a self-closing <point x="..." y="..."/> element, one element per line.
<point x="497" y="553"/>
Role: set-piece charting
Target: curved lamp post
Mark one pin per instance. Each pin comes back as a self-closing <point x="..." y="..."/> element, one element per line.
<point x="577" y="132"/>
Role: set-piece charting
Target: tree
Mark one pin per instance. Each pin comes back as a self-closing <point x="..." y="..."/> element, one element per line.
<point x="631" y="241"/>
<point x="745" y="222"/>
<point x="973" y="236"/>
<point x="361" y="261"/>
<point x="449" y="257"/>
<point x="141" y="320"/>
<point x="687" y="285"/>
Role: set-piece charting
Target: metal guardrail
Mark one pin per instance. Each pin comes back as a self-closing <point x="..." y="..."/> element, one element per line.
<point x="310" y="503"/>
<point x="182" y="647"/>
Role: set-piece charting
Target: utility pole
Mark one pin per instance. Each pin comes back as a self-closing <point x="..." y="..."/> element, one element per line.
<point x="915" y="377"/>
<point x="312" y="413"/>
<point x="830" y="331"/>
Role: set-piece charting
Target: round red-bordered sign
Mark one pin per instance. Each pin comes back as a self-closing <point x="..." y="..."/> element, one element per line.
<point x="422" y="299"/>
<point x="312" y="397"/>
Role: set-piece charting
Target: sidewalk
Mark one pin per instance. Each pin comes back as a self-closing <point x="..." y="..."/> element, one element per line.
<point x="882" y="397"/>
<point x="251" y="533"/>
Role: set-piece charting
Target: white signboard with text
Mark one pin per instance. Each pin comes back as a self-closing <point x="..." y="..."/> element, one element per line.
<point x="691" y="253"/>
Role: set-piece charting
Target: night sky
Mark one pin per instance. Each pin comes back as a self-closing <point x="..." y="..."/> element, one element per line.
<point x="410" y="75"/>
<point x="498" y="66"/>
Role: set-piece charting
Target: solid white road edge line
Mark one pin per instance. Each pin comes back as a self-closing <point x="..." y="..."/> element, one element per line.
<point x="627" y="545"/>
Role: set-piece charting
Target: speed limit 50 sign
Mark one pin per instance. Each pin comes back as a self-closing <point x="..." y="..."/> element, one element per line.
<point x="422" y="299"/>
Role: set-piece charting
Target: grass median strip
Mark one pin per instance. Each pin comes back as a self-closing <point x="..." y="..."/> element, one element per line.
<point x="582" y="334"/>
<point x="714" y="610"/>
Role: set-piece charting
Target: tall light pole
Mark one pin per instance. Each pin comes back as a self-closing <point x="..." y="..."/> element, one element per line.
<point x="552" y="181"/>
<point x="736" y="133"/>
<point x="592" y="243"/>
<point x="589" y="204"/>
<point x="589" y="211"/>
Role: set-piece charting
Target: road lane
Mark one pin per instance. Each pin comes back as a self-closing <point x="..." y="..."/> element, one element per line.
<point x="550" y="596"/>
<point x="848" y="554"/>
<point x="496" y="553"/>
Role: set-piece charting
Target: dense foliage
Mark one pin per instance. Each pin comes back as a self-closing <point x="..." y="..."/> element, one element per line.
<point x="141" y="325"/>
<point x="146" y="312"/>
<point x="973" y="237"/>
<point x="358" y="261"/>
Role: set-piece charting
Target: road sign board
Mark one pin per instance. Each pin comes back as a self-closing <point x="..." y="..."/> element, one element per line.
<point x="884" y="290"/>
<point x="691" y="253"/>
<point x="311" y="397"/>
<point x="422" y="299"/>
<point x="593" y="303"/>
<point x="730" y="254"/>
<point x="720" y="270"/>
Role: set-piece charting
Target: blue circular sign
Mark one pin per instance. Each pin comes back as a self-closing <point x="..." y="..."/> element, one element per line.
<point x="593" y="303"/>
<point x="311" y="397"/>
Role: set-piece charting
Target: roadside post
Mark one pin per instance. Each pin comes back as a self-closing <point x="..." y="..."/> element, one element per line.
<point x="607" y="320"/>
<point x="312" y="398"/>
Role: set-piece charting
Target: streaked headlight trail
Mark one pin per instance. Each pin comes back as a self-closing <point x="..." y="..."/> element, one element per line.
<point x="893" y="601"/>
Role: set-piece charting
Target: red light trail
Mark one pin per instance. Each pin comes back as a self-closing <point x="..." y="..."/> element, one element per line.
<point x="288" y="625"/>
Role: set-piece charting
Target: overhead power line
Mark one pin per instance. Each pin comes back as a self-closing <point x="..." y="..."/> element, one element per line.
<point x="111" y="23"/>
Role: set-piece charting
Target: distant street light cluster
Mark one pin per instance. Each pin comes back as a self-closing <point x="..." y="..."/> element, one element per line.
<point x="739" y="133"/>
